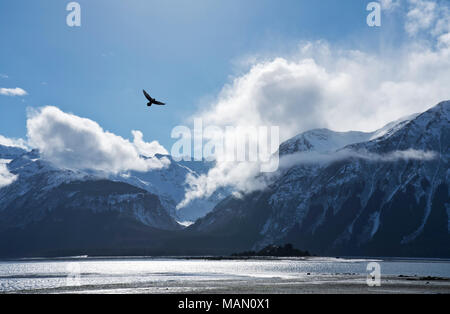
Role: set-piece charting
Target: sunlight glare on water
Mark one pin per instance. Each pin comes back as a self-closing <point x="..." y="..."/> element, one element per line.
<point x="53" y="274"/>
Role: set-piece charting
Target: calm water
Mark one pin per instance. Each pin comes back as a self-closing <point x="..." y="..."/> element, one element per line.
<point x="44" y="274"/>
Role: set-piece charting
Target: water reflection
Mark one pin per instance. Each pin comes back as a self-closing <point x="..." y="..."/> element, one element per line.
<point x="45" y="274"/>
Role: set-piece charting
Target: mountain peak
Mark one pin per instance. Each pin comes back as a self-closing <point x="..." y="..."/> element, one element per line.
<point x="442" y="108"/>
<point x="322" y="140"/>
<point x="374" y="207"/>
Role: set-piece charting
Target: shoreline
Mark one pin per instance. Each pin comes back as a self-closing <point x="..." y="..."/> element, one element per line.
<point x="234" y="258"/>
<point x="315" y="284"/>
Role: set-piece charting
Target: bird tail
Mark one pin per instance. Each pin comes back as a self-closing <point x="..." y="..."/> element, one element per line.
<point x="149" y="104"/>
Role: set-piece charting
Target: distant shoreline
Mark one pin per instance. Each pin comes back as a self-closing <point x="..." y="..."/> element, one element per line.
<point x="232" y="258"/>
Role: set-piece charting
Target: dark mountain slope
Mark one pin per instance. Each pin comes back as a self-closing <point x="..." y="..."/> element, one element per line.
<point x="388" y="196"/>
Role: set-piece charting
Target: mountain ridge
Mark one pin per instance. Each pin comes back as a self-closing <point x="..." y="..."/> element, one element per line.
<point x="345" y="207"/>
<point x="383" y="197"/>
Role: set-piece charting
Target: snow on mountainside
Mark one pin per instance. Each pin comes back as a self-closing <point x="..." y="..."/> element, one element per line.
<point x="392" y="127"/>
<point x="169" y="184"/>
<point x="322" y="140"/>
<point x="7" y="152"/>
<point x="353" y="206"/>
<point x="48" y="210"/>
<point x="36" y="183"/>
<point x="394" y="205"/>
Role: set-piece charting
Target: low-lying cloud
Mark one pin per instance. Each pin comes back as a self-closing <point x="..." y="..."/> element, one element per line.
<point x="223" y="175"/>
<point x="316" y="158"/>
<point x="73" y="142"/>
<point x="231" y="174"/>
<point x="6" y="178"/>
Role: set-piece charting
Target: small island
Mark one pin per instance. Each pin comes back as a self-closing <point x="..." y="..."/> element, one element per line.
<point x="287" y="250"/>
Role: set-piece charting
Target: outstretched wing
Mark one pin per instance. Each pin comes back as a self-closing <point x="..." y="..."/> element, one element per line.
<point x="147" y="96"/>
<point x="159" y="103"/>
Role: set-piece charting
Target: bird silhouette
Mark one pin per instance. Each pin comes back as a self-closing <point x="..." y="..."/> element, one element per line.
<point x="151" y="100"/>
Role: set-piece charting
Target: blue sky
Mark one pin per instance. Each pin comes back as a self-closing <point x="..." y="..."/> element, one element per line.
<point x="182" y="52"/>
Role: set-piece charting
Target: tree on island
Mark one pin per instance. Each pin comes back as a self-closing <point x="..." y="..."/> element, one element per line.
<point x="287" y="250"/>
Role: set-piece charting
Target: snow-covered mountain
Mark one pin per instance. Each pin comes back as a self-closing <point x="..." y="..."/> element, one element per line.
<point x="33" y="192"/>
<point x="170" y="184"/>
<point x="39" y="181"/>
<point x="322" y="141"/>
<point x="389" y="198"/>
<point x="7" y="152"/>
<point x="387" y="194"/>
<point x="47" y="210"/>
<point x="327" y="141"/>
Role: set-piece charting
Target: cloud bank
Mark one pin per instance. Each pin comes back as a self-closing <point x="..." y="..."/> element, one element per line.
<point x="13" y="91"/>
<point x="318" y="158"/>
<point x="325" y="87"/>
<point x="245" y="178"/>
<point x="73" y="142"/>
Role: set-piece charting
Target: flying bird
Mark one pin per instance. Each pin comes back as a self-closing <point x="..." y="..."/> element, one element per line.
<point x="151" y="100"/>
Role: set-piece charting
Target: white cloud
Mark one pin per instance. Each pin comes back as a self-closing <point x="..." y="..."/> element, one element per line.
<point x="6" y="178"/>
<point x="325" y="158"/>
<point x="342" y="90"/>
<point x="73" y="142"/>
<point x="426" y="17"/>
<point x="147" y="149"/>
<point x="390" y="4"/>
<point x="240" y="175"/>
<point x="421" y="16"/>
<point x="13" y="91"/>
<point x="12" y="142"/>
<point x="410" y="154"/>
<point x="323" y="86"/>
<point x="3" y="76"/>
